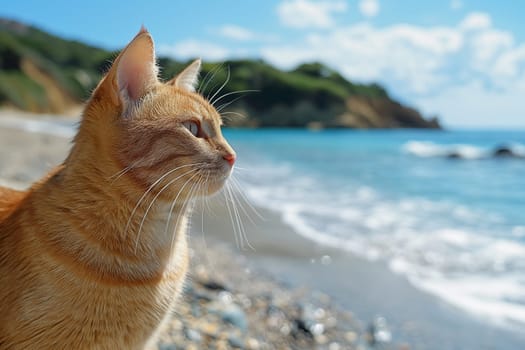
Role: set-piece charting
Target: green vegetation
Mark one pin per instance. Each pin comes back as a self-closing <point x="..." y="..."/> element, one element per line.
<point x="73" y="66"/>
<point x="33" y="62"/>
<point x="310" y="93"/>
<point x="21" y="91"/>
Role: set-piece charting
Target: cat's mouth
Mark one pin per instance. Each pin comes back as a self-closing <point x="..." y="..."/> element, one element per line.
<point x="215" y="179"/>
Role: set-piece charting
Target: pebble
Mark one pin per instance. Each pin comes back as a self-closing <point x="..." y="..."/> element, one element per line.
<point x="351" y="337"/>
<point x="167" y="347"/>
<point x="334" y="346"/>
<point x="326" y="260"/>
<point x="231" y="309"/>
<point x="236" y="342"/>
<point x="321" y="339"/>
<point x="230" y="313"/>
<point x="252" y="344"/>
<point x="210" y="329"/>
<point x="193" y="335"/>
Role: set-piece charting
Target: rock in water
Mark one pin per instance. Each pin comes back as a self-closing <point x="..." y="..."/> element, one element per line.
<point x="505" y="152"/>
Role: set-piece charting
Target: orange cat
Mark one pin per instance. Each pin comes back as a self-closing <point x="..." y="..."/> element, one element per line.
<point x="94" y="255"/>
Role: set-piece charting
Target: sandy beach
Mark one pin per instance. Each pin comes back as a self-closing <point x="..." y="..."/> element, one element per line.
<point x="286" y="292"/>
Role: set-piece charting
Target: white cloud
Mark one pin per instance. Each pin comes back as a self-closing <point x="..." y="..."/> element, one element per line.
<point x="236" y="32"/>
<point x="486" y="47"/>
<point x="456" y="4"/>
<point x="489" y="43"/>
<point x="369" y="8"/>
<point x="194" y="48"/>
<point x="428" y="65"/>
<point x="407" y="54"/>
<point x="420" y="59"/>
<point x="476" y="21"/>
<point x="473" y="105"/>
<point x="510" y="64"/>
<point x="310" y="14"/>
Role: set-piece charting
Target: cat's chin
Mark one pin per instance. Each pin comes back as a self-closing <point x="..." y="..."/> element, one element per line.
<point x="213" y="186"/>
<point x="213" y="189"/>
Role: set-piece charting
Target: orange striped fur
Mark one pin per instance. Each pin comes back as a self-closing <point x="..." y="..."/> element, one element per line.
<point x="94" y="255"/>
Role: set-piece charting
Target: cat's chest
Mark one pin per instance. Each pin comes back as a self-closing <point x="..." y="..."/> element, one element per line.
<point x="101" y="316"/>
<point x="113" y="313"/>
<point x="141" y="311"/>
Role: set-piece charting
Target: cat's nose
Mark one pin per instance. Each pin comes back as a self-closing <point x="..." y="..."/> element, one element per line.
<point x="230" y="158"/>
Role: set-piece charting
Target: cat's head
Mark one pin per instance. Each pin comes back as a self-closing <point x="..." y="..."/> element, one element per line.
<point x="162" y="134"/>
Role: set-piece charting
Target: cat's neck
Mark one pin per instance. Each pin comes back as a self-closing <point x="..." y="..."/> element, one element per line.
<point x="110" y="220"/>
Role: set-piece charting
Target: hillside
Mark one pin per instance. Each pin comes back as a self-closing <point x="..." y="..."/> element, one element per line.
<point x="40" y="72"/>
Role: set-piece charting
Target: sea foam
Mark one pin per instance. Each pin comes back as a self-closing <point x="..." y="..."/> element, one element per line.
<point x="44" y="125"/>
<point x="441" y="247"/>
<point x="428" y="149"/>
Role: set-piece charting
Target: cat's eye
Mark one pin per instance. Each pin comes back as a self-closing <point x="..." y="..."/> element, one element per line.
<point x="193" y="127"/>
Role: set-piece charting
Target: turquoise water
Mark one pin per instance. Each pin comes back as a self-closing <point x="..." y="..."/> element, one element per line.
<point x="436" y="207"/>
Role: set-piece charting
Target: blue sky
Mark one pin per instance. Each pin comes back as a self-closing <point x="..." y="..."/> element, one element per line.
<point x="461" y="60"/>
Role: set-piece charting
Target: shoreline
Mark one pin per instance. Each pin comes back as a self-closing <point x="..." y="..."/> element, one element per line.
<point x="370" y="289"/>
<point x="285" y="260"/>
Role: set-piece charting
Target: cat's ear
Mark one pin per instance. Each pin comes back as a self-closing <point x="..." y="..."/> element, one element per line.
<point x="134" y="71"/>
<point x="137" y="69"/>
<point x="189" y="77"/>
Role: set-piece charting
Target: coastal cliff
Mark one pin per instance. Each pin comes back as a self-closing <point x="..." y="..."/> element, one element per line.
<point x="42" y="73"/>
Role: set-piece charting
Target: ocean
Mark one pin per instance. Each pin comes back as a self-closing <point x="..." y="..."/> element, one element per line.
<point x="436" y="207"/>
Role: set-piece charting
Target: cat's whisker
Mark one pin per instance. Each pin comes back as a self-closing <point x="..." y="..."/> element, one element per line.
<point x="151" y="188"/>
<point x="153" y="201"/>
<point x="238" y="185"/>
<point x="184" y="207"/>
<point x="212" y="89"/>
<point x="205" y="188"/>
<point x="242" y="169"/>
<point x="222" y="87"/>
<point x="233" y="217"/>
<point x="174" y="202"/>
<point x="191" y="202"/>
<point x="244" y="235"/>
<point x="245" y="199"/>
<point x="235" y="192"/>
<point x="225" y="117"/>
<point x="240" y="223"/>
<point x="226" y="104"/>
<point x="149" y="208"/>
<point x="205" y="82"/>
<point x="227" y="201"/>
<point x="204" y="202"/>
<point x="235" y="222"/>
<point x="232" y="93"/>
<point x="119" y="173"/>
<point x="206" y="198"/>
